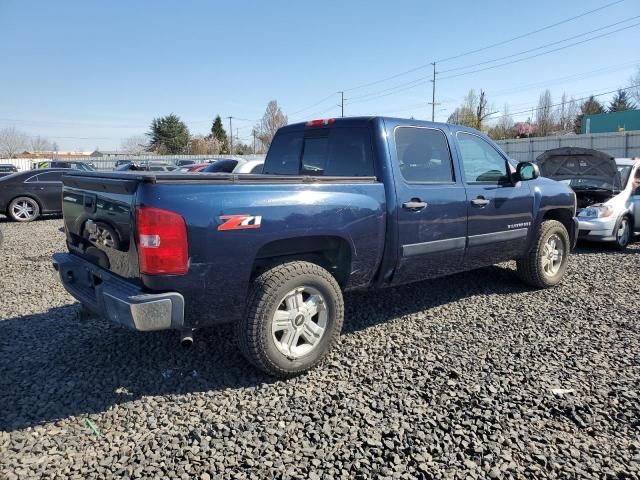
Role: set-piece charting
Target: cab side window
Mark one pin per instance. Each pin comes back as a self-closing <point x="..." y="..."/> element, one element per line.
<point x="423" y="155"/>
<point x="481" y="163"/>
<point x="49" y="177"/>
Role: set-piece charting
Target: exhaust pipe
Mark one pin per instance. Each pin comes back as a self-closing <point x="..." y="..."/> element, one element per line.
<point x="186" y="338"/>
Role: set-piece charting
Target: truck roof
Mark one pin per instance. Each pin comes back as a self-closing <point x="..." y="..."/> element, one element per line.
<point x="364" y="121"/>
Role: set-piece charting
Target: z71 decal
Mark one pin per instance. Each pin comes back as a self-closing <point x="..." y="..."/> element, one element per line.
<point x="239" y="222"/>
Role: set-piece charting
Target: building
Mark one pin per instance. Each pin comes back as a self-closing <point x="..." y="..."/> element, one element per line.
<point x="611" y="122"/>
<point x="109" y="154"/>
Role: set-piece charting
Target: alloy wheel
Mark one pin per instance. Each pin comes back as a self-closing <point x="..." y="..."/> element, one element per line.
<point x="552" y="255"/>
<point x="299" y="322"/>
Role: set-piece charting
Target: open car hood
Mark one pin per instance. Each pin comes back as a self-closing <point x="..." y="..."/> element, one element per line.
<point x="573" y="162"/>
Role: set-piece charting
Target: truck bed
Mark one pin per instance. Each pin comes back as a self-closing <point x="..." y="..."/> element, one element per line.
<point x="169" y="177"/>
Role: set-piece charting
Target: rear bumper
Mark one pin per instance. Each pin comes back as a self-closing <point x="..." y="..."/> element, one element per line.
<point x="117" y="300"/>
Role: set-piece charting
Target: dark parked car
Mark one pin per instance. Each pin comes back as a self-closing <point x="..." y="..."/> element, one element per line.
<point x="184" y="163"/>
<point x="122" y="162"/>
<point x="342" y="204"/>
<point x="7" y="169"/>
<point x="145" y="167"/>
<point x="72" y="164"/>
<point x="25" y="196"/>
<point x="225" y="165"/>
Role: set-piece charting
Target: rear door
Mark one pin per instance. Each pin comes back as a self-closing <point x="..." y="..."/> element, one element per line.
<point x="47" y="187"/>
<point x="431" y="203"/>
<point x="500" y="211"/>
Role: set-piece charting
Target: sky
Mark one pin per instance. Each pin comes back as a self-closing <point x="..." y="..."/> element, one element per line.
<point x="89" y="74"/>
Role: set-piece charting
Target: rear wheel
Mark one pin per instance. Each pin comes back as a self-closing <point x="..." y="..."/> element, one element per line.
<point x="623" y="233"/>
<point x="294" y="316"/>
<point x="545" y="264"/>
<point x="24" y="209"/>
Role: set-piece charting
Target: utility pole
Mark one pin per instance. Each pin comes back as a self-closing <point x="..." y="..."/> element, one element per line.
<point x="341" y="103"/>
<point x="254" y="140"/>
<point x="230" y="135"/>
<point x="433" y="94"/>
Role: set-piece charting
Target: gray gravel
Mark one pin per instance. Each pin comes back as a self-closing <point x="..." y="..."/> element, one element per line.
<point x="449" y="378"/>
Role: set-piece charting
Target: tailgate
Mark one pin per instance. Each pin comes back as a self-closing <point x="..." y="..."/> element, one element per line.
<point x="99" y="221"/>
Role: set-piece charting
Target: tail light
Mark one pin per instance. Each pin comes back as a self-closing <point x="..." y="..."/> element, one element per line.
<point x="162" y="242"/>
<point x="320" y="123"/>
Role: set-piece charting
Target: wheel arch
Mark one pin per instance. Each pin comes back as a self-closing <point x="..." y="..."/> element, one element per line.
<point x="565" y="217"/>
<point x="331" y="252"/>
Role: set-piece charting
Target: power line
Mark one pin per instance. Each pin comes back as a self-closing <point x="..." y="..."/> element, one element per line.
<point x="540" y="47"/>
<point x="426" y="79"/>
<point x="503" y="42"/>
<point x="532" y="109"/>
<point x="555" y="81"/>
<point x="312" y="106"/>
<point x="540" y="54"/>
<point x="528" y="34"/>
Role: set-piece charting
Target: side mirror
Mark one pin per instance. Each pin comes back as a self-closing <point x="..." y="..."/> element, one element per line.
<point x="527" y="171"/>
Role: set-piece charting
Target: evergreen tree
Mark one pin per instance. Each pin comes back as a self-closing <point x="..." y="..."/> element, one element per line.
<point x="168" y="135"/>
<point x="218" y="133"/>
<point x="591" y="106"/>
<point x="621" y="102"/>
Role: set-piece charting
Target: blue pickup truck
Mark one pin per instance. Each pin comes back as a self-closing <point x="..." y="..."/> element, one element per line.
<point x="353" y="203"/>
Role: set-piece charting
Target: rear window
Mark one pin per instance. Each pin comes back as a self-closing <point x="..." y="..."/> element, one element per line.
<point x="339" y="152"/>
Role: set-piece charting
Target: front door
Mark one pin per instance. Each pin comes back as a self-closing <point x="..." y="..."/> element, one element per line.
<point x="500" y="211"/>
<point x="635" y="198"/>
<point x="432" y="206"/>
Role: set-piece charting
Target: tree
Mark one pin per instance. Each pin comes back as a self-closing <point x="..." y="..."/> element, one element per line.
<point x="544" y="114"/>
<point x="220" y="135"/>
<point x="634" y="83"/>
<point x="199" y="145"/>
<point x="591" y="106"/>
<point x="524" y="129"/>
<point x="462" y="116"/>
<point x="473" y="112"/>
<point x="12" y="142"/>
<point x="272" y="120"/>
<point x="621" y="102"/>
<point x="566" y="114"/>
<point x="168" y="135"/>
<point x="504" y="127"/>
<point x="39" y="144"/>
<point x="135" y="145"/>
<point x="482" y="110"/>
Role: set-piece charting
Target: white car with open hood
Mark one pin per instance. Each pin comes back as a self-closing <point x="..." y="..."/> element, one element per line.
<point x="607" y="191"/>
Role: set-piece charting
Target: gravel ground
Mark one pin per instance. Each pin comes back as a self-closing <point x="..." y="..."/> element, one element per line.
<point x="449" y="378"/>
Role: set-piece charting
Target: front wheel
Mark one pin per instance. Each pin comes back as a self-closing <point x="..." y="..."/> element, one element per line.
<point x="294" y="316"/>
<point x="623" y="233"/>
<point x="545" y="264"/>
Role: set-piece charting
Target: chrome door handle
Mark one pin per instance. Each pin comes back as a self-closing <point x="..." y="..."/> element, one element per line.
<point x="414" y="204"/>
<point x="480" y="201"/>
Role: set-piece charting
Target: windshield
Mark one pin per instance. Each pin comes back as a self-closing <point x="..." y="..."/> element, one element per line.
<point x="624" y="171"/>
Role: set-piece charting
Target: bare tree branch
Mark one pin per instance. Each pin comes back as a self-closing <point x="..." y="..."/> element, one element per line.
<point x="12" y="142"/>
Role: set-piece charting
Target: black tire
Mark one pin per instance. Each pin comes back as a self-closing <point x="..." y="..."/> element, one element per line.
<point x="530" y="266"/>
<point x="622" y="241"/>
<point x="33" y="204"/>
<point x="254" y="332"/>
